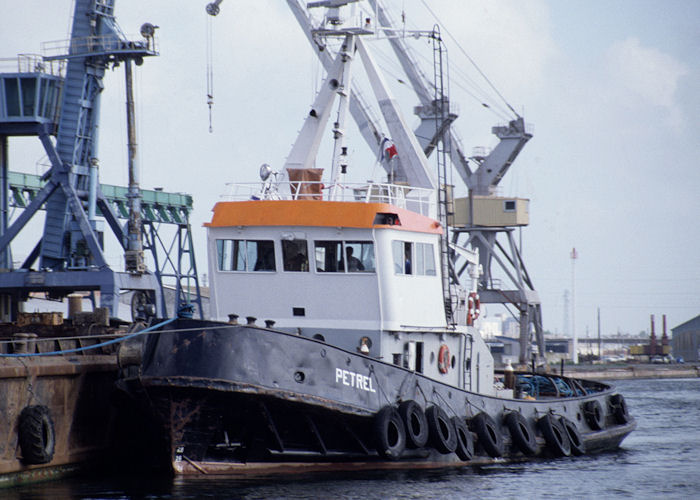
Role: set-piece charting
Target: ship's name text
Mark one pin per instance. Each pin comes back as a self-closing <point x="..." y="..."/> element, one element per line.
<point x="353" y="379"/>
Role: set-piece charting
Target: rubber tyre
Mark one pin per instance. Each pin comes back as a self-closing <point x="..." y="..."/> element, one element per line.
<point x="465" y="440"/>
<point x="487" y="432"/>
<point x="442" y="433"/>
<point x="521" y="433"/>
<point x="593" y="413"/>
<point x="619" y="408"/>
<point x="36" y="435"/>
<point x="555" y="435"/>
<point x="578" y="446"/>
<point x="389" y="433"/>
<point x="416" y="424"/>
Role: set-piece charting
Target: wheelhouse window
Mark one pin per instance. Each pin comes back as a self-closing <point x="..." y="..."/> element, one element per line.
<point x="403" y="256"/>
<point x="413" y="258"/>
<point x="425" y="259"/>
<point x="337" y="256"/>
<point x="329" y="256"/>
<point x="245" y="255"/>
<point x="359" y="256"/>
<point x="296" y="255"/>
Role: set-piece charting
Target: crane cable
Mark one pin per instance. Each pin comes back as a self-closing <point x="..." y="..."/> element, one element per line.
<point x="210" y="69"/>
<point x="470" y="59"/>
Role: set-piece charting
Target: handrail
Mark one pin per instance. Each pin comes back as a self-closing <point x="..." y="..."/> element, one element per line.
<point x="421" y="200"/>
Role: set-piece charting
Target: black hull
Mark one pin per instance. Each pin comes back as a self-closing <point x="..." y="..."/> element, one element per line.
<point x="245" y="400"/>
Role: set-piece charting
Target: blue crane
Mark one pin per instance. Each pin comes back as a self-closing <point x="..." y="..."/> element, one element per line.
<point x="39" y="102"/>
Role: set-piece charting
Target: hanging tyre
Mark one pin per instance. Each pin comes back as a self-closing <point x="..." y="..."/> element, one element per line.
<point x="619" y="408"/>
<point x="389" y="433"/>
<point x="521" y="433"/>
<point x="487" y="432"/>
<point x="415" y="423"/>
<point x="441" y="430"/>
<point x="36" y="435"/>
<point x="555" y="435"/>
<point x="465" y="440"/>
<point x="593" y="413"/>
<point x="578" y="447"/>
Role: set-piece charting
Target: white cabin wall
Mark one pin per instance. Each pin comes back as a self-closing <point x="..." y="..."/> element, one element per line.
<point x="408" y="301"/>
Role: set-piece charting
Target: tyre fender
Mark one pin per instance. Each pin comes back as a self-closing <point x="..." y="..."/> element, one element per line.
<point x="593" y="413"/>
<point x="521" y="433"/>
<point x="465" y="440"/>
<point x="489" y="438"/>
<point x="442" y="432"/>
<point x="619" y="408"/>
<point x="578" y="446"/>
<point x="36" y="435"/>
<point x="389" y="433"/>
<point x="555" y="435"/>
<point x="415" y="423"/>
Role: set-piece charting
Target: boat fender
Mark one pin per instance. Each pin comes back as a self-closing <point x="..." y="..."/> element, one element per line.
<point x="578" y="447"/>
<point x="415" y="423"/>
<point x="593" y="413"/>
<point x="487" y="433"/>
<point x="444" y="359"/>
<point x="389" y="433"/>
<point x="36" y="435"/>
<point x="619" y="408"/>
<point x="442" y="432"/>
<point x="465" y="440"/>
<point x="555" y="435"/>
<point x="521" y="433"/>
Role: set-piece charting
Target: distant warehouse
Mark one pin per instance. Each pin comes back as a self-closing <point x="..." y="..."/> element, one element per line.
<point x="686" y="340"/>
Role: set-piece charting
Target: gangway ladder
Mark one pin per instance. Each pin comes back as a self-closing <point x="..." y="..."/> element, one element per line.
<point x="442" y="122"/>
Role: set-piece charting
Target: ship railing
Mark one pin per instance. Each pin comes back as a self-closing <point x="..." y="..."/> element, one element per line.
<point x="99" y="45"/>
<point x="419" y="200"/>
<point x="31" y="63"/>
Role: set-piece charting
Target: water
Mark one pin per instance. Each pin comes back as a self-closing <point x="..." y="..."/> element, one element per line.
<point x="660" y="459"/>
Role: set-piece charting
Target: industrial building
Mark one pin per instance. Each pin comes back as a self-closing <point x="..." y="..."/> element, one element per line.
<point x="686" y="340"/>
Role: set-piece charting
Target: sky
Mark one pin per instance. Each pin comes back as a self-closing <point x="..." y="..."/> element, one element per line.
<point x="611" y="89"/>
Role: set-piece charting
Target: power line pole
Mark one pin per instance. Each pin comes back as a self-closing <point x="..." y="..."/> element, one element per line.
<point x="574" y="354"/>
<point x="600" y="354"/>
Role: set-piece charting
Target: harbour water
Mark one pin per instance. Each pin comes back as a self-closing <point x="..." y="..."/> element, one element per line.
<point x="661" y="459"/>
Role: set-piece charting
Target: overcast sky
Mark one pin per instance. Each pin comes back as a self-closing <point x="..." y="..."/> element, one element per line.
<point x="612" y="89"/>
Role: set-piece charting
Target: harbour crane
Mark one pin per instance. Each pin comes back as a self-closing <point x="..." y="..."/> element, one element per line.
<point x="69" y="255"/>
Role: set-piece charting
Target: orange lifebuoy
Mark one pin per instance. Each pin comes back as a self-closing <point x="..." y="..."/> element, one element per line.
<point x="444" y="359"/>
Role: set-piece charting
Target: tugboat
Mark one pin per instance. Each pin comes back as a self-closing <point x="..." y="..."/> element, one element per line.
<point x="359" y="349"/>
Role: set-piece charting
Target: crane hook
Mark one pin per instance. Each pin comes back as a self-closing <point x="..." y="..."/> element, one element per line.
<point x="213" y="8"/>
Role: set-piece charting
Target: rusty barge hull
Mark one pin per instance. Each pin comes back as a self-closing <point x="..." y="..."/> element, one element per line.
<point x="75" y="391"/>
<point x="234" y="399"/>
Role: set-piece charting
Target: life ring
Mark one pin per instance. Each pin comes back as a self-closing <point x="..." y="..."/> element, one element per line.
<point x="555" y="435"/>
<point x="389" y="433"/>
<point x="593" y="413"/>
<point x="465" y="440"/>
<point x="473" y="308"/>
<point x="36" y="435"/>
<point x="444" y="359"/>
<point x="487" y="431"/>
<point x="578" y="447"/>
<point x="415" y="423"/>
<point x="442" y="432"/>
<point x="619" y="408"/>
<point x="521" y="433"/>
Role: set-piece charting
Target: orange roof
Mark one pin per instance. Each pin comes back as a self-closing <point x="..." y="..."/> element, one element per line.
<point x="317" y="214"/>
